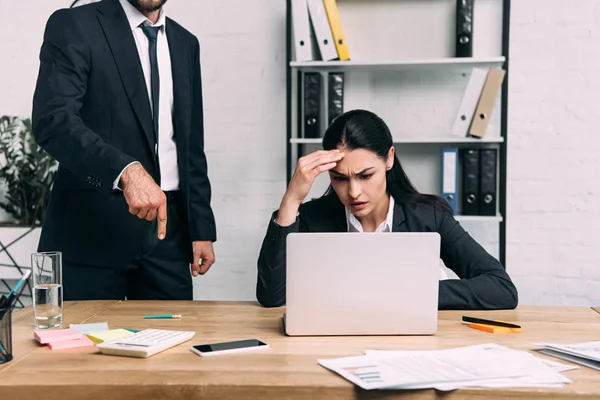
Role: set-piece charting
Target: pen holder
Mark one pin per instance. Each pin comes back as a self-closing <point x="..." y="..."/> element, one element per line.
<point x="5" y="335"/>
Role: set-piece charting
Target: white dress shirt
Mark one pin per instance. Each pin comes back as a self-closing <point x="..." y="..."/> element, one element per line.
<point x="167" y="149"/>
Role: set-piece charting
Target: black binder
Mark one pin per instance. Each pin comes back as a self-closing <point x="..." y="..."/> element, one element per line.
<point x="487" y="182"/>
<point x="312" y="105"/>
<point x="464" y="28"/>
<point x="470" y="184"/>
<point x="335" y="100"/>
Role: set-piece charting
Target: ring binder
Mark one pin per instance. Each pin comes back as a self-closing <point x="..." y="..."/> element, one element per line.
<point x="303" y="45"/>
<point x="335" y="100"/>
<point x="487" y="182"/>
<point x="470" y="197"/>
<point x="312" y="105"/>
<point x="464" y="28"/>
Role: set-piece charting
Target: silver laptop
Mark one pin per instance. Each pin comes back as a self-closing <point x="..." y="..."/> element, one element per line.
<point x="362" y="283"/>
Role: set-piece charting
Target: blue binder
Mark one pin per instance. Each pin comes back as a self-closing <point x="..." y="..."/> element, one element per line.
<point x="450" y="177"/>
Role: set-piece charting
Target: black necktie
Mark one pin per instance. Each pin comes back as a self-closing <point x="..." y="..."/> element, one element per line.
<point x="152" y="32"/>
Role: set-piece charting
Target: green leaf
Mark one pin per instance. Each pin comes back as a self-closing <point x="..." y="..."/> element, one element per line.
<point x="26" y="171"/>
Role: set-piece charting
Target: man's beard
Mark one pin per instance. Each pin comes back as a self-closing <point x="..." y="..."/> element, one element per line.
<point x="147" y="5"/>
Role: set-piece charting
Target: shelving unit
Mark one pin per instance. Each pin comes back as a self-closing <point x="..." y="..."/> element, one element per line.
<point x="403" y="68"/>
<point x="478" y="218"/>
<point x="417" y="140"/>
<point x="397" y="65"/>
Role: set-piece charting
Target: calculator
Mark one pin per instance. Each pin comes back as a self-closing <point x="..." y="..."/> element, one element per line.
<point x="145" y="343"/>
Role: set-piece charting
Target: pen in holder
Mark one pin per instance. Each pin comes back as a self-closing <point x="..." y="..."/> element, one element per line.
<point x="5" y="334"/>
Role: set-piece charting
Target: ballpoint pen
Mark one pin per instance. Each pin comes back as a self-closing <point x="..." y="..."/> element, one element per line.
<point x="13" y="293"/>
<point x="489" y="322"/>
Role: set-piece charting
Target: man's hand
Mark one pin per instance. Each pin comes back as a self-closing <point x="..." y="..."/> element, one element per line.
<point x="204" y="257"/>
<point x="144" y="197"/>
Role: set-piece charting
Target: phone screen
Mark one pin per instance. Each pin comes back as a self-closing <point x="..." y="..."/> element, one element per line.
<point x="238" y="344"/>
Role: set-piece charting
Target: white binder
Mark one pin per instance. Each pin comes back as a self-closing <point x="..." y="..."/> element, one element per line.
<point x="469" y="102"/>
<point x="320" y="24"/>
<point x="301" y="31"/>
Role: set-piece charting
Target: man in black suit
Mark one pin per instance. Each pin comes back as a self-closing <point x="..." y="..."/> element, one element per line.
<point x="118" y="103"/>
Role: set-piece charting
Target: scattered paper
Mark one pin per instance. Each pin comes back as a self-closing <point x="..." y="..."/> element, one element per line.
<point x="586" y="354"/>
<point x="587" y="350"/>
<point x="556" y="366"/>
<point x="488" y="365"/>
<point x="573" y="359"/>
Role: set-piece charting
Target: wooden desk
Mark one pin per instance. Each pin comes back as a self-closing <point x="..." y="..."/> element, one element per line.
<point x="288" y="370"/>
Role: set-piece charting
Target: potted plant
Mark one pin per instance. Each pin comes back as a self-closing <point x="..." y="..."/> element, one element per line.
<point x="26" y="176"/>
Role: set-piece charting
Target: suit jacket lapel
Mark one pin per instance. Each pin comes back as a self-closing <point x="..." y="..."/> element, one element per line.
<point x="180" y="67"/>
<point x="338" y="217"/>
<point x="333" y="218"/>
<point x="399" y="218"/>
<point x="120" y="39"/>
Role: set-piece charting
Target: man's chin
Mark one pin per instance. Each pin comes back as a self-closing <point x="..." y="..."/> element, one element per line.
<point x="147" y="5"/>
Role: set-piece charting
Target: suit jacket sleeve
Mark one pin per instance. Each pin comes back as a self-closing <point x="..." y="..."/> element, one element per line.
<point x="60" y="90"/>
<point x="202" y="220"/>
<point x="270" y="285"/>
<point x="484" y="283"/>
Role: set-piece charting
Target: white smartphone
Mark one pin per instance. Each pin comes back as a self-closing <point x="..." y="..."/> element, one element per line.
<point x="238" y="346"/>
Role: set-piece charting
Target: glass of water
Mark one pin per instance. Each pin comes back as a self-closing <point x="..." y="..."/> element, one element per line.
<point x="46" y="269"/>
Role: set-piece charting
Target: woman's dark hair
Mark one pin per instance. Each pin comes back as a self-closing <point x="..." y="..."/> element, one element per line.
<point x="361" y="129"/>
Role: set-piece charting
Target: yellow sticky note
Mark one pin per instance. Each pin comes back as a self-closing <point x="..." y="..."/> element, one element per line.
<point x="112" y="334"/>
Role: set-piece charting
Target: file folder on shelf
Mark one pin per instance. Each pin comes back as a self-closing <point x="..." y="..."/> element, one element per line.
<point x="335" y="24"/>
<point x="470" y="190"/>
<point x="464" y="28"/>
<point x="320" y="24"/>
<point x="335" y="100"/>
<point x="450" y="177"/>
<point x="312" y="105"/>
<point x="469" y="102"/>
<point x="487" y="101"/>
<point x="301" y="31"/>
<point x="487" y="182"/>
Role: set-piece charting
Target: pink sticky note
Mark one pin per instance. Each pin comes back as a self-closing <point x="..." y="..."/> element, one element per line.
<point x="56" y="335"/>
<point x="71" y="344"/>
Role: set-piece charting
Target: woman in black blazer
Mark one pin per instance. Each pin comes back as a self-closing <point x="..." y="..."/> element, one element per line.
<point x="370" y="192"/>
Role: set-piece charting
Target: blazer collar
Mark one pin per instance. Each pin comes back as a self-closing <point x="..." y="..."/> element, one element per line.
<point x="399" y="218"/>
<point x="124" y="50"/>
<point x="117" y="30"/>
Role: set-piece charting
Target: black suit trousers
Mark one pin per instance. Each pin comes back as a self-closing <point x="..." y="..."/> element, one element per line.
<point x="161" y="270"/>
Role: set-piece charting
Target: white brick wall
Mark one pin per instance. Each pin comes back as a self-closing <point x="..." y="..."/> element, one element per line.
<point x="553" y="227"/>
<point x="554" y="189"/>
